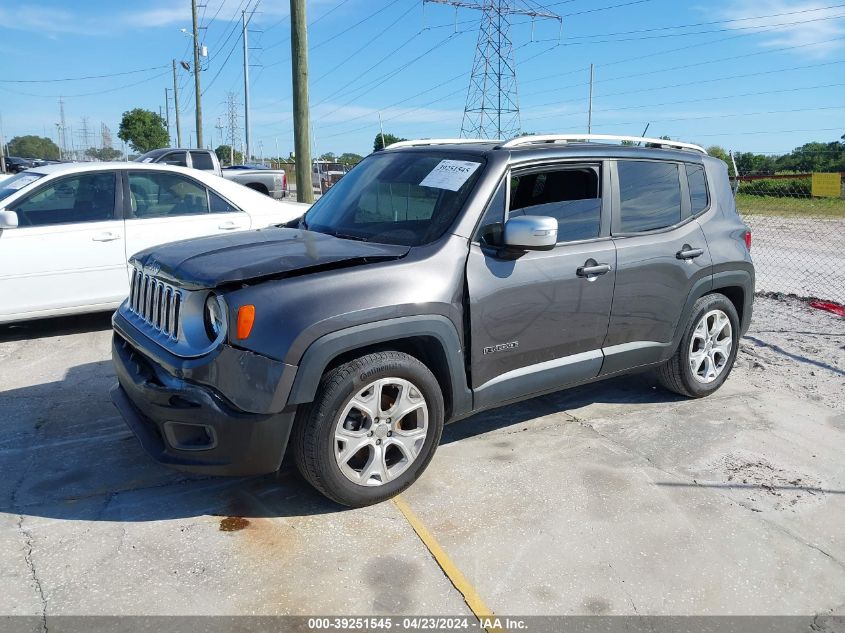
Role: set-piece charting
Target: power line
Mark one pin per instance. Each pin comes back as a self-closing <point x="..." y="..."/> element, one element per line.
<point x="369" y="42"/>
<point x="390" y="74"/>
<point x="695" y="24"/>
<point x="688" y="83"/>
<point x="39" y="81"/>
<point x="88" y="94"/>
<point x="597" y="9"/>
<point x="697" y="117"/>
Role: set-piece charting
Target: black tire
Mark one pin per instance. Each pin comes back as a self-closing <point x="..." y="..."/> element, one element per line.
<point x="313" y="440"/>
<point x="676" y="374"/>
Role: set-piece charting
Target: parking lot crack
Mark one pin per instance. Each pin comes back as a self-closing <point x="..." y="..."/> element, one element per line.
<point x="32" y="571"/>
<point x="626" y="592"/>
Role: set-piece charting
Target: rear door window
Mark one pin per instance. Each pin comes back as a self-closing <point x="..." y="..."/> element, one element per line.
<point x="162" y="194"/>
<point x="649" y="195"/>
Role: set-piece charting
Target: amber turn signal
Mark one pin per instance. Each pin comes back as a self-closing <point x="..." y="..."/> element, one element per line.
<point x="246" y="317"/>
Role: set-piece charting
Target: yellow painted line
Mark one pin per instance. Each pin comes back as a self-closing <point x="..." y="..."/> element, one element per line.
<point x="458" y="580"/>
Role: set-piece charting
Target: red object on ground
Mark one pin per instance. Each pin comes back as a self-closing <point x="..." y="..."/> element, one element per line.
<point x="835" y="308"/>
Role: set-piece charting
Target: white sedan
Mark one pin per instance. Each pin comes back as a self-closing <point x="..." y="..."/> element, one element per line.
<point x="67" y="230"/>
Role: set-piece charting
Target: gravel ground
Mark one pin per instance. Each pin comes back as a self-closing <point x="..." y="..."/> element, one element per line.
<point x="796" y="348"/>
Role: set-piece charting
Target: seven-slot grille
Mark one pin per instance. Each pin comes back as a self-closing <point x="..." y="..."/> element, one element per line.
<point x="156" y="303"/>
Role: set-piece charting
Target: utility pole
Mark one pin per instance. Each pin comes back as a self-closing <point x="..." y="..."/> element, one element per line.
<point x="2" y="148"/>
<point x="590" y="109"/>
<point x="62" y="128"/>
<point x="492" y="106"/>
<point x="219" y="127"/>
<point x="301" y="126"/>
<point x="176" y="107"/>
<point x="198" y="92"/>
<point x="167" y="110"/>
<point x="246" y="82"/>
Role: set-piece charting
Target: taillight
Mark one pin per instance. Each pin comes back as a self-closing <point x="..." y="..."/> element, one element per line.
<point x="285" y="182"/>
<point x="748" y="240"/>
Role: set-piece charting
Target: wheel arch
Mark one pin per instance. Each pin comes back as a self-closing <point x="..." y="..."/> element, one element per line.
<point x="736" y="285"/>
<point x="259" y="187"/>
<point x="433" y="340"/>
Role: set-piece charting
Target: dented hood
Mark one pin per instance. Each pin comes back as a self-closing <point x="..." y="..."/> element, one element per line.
<point x="217" y="260"/>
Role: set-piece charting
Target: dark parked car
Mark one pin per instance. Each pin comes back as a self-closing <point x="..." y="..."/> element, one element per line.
<point x="436" y="280"/>
<point x="15" y="164"/>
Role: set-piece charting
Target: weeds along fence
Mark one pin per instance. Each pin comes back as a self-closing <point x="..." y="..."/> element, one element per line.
<point x="798" y="232"/>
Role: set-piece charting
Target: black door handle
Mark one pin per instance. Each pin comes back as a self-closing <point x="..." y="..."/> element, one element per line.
<point x="687" y="252"/>
<point x="593" y="270"/>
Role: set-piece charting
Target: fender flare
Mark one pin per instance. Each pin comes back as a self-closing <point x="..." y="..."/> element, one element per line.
<point x="707" y="285"/>
<point x="322" y="351"/>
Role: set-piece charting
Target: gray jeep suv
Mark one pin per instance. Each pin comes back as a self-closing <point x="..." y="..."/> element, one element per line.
<point x="437" y="279"/>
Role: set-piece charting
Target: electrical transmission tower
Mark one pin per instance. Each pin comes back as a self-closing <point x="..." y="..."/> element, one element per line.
<point x="232" y="125"/>
<point x="85" y="135"/>
<point x="105" y="136"/>
<point x="492" y="105"/>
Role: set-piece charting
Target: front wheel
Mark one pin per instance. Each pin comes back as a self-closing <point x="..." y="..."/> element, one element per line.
<point x="707" y="351"/>
<point x="372" y="429"/>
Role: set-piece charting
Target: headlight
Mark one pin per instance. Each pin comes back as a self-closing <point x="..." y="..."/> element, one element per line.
<point x="214" y="317"/>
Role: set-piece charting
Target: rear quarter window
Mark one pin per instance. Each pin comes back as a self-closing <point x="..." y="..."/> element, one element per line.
<point x="649" y="195"/>
<point x="699" y="196"/>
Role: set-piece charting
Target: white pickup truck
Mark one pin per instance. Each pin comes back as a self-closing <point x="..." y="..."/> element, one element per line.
<point x="271" y="182"/>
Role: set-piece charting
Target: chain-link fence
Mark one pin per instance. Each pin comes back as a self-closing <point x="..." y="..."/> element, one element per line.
<point x="797" y="225"/>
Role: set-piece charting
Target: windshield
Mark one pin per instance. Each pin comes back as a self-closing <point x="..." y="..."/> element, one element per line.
<point x="14" y="184"/>
<point x="405" y="198"/>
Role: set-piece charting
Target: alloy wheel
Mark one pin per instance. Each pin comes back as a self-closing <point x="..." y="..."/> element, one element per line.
<point x="380" y="431"/>
<point x="710" y="346"/>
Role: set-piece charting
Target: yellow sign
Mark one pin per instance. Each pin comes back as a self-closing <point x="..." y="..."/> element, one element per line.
<point x="827" y="185"/>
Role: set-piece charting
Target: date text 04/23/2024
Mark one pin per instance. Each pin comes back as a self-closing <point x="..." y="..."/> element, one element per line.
<point x="416" y="623"/>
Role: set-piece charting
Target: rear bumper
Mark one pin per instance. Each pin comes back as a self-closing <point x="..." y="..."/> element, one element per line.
<point x="191" y="427"/>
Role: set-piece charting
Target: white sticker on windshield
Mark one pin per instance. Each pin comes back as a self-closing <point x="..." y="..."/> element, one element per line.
<point x="450" y="174"/>
<point x="21" y="181"/>
<point x="147" y="160"/>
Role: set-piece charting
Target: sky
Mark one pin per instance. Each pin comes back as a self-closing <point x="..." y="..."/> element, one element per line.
<point x="750" y="75"/>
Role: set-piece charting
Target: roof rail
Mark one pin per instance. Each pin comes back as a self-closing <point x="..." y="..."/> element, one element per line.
<point x="565" y="138"/>
<point x="441" y="141"/>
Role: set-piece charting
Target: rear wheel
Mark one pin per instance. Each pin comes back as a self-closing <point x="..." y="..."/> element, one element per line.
<point x="372" y="429"/>
<point x="707" y="351"/>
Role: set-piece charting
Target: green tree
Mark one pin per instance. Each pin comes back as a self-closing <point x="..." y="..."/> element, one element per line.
<point x="224" y="153"/>
<point x="31" y="146"/>
<point x="328" y="157"/>
<point x="383" y="140"/>
<point x="104" y="154"/>
<point x="349" y="159"/>
<point x="722" y="154"/>
<point x="144" y="130"/>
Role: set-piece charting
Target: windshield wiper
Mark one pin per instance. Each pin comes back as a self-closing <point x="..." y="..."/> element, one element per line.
<point x="344" y="236"/>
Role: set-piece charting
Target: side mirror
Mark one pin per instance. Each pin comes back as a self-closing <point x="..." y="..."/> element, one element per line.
<point x="8" y="219"/>
<point x="530" y="233"/>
